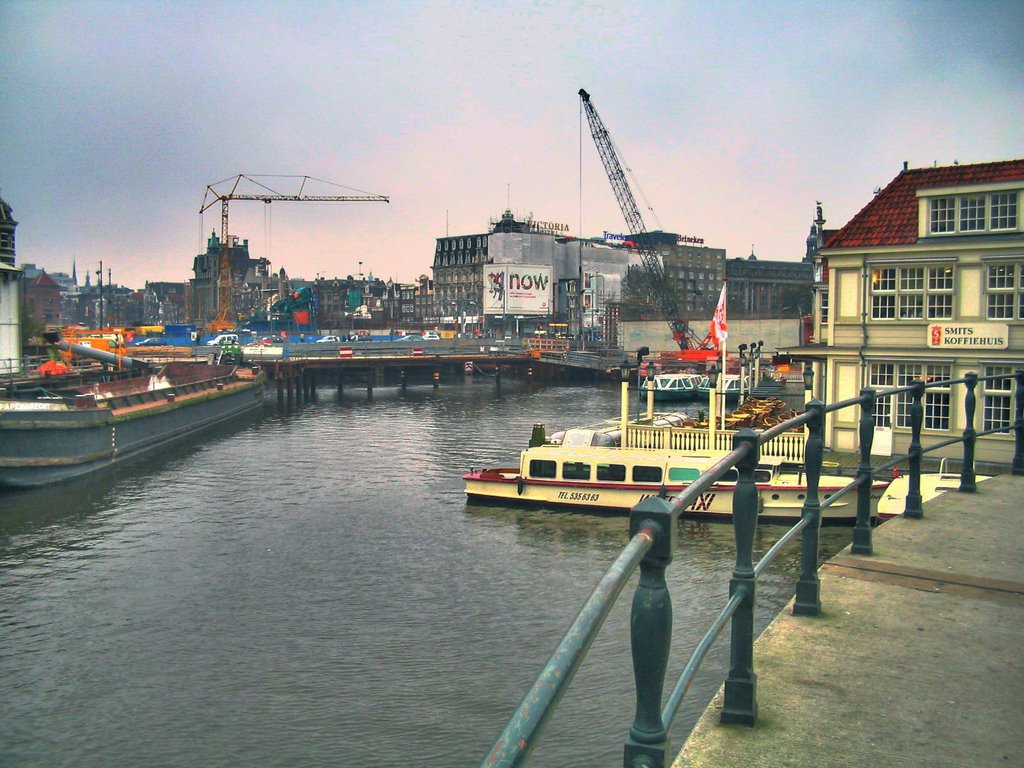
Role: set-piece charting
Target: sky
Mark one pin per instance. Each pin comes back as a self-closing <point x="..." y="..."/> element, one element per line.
<point x="733" y="118"/>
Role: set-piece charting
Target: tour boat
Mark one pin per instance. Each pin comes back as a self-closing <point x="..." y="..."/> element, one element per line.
<point x="581" y="473"/>
<point x="679" y="386"/>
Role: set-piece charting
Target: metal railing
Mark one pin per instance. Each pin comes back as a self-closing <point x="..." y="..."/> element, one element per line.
<point x="653" y="526"/>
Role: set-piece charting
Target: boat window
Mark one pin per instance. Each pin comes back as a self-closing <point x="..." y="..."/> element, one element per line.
<point x="643" y="474"/>
<point x="614" y="472"/>
<point x="683" y="474"/>
<point x="542" y="468"/>
<point x="575" y="470"/>
<point x="760" y="476"/>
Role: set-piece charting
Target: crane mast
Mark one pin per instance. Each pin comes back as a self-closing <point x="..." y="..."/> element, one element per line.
<point x="224" y="286"/>
<point x="655" y="286"/>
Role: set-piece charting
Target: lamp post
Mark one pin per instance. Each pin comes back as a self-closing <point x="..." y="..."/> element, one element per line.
<point x="624" y="373"/>
<point x="712" y="404"/>
<point x="756" y="354"/>
<point x="650" y="393"/>
<point x="743" y="370"/>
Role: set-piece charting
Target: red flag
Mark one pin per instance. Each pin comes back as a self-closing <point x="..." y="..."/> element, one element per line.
<point x="719" y="328"/>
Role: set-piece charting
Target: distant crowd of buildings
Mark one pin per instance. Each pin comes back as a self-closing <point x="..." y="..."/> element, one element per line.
<point x="517" y="276"/>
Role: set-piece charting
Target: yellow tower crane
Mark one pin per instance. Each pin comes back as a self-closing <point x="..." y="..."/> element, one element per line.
<point x="268" y="195"/>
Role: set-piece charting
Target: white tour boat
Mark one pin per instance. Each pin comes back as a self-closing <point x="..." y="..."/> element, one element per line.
<point x="583" y="473"/>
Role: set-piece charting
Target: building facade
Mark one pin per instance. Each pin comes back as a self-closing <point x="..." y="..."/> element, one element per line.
<point x="926" y="282"/>
<point x="10" y="293"/>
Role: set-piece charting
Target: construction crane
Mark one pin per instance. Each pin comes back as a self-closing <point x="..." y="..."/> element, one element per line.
<point x="655" y="286"/>
<point x="212" y="196"/>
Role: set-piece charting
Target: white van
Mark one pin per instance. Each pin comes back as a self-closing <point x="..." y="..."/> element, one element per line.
<point x="224" y="338"/>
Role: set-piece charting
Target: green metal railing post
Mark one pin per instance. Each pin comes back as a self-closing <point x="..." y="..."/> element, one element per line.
<point x="740" y="704"/>
<point x="967" y="477"/>
<point x="651" y="634"/>
<point x="865" y="474"/>
<point x="913" y="508"/>
<point x="1018" y="427"/>
<point x="807" y="601"/>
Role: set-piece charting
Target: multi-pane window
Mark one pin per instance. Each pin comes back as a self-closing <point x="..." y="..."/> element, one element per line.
<point x="883" y="376"/>
<point x="1004" y="291"/>
<point x="936" y="400"/>
<point x="941" y="215"/>
<point x="1004" y="211"/>
<point x="997" y="409"/>
<point x="974" y="213"/>
<point x="912" y="293"/>
<point x="824" y="307"/>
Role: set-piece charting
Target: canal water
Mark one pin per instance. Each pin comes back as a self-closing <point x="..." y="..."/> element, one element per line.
<point x="309" y="587"/>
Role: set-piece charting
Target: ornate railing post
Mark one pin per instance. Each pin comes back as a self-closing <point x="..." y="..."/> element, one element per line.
<point x="807" y="601"/>
<point x="865" y="474"/>
<point x="740" y="704"/>
<point x="967" y="477"/>
<point x="1018" y="426"/>
<point x="913" y="508"/>
<point x="651" y="634"/>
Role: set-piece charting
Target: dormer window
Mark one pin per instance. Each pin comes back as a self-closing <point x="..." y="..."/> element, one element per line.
<point x="970" y="213"/>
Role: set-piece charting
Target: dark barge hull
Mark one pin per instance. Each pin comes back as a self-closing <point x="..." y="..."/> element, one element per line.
<point x="40" y="447"/>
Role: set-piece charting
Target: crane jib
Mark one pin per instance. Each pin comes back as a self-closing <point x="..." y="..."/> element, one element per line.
<point x="656" y="286"/>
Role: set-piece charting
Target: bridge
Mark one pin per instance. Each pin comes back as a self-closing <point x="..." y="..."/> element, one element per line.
<point x="298" y="369"/>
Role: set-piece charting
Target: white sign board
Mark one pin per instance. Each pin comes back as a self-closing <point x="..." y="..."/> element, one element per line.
<point x="968" y="335"/>
<point x="517" y="289"/>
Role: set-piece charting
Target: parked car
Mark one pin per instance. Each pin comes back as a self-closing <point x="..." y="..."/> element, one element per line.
<point x="431" y="336"/>
<point x="224" y="338"/>
<point x="329" y="340"/>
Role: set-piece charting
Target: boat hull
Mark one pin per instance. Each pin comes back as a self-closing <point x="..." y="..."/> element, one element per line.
<point x="40" y="447"/>
<point x="781" y="503"/>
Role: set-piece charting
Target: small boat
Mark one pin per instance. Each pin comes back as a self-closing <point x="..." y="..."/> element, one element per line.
<point x="728" y="385"/>
<point x="933" y="484"/>
<point x="584" y="472"/>
<point x="679" y="386"/>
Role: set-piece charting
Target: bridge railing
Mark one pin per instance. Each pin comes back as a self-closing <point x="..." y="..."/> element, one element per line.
<point x="653" y="526"/>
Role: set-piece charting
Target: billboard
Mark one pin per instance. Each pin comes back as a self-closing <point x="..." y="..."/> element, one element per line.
<point x="517" y="289"/>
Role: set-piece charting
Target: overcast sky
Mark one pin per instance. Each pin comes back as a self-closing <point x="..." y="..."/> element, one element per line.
<point x="735" y="118"/>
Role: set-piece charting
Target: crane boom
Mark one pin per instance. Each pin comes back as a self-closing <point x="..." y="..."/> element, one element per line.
<point x="655" y="285"/>
<point x="212" y="196"/>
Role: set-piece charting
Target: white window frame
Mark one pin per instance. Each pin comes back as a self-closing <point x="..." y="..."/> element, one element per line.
<point x="913" y="292"/>
<point x="997" y="398"/>
<point x="972" y="213"/>
<point x="936" y="403"/>
<point x="1004" y="290"/>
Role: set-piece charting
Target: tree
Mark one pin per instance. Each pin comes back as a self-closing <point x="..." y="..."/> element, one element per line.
<point x="31" y="328"/>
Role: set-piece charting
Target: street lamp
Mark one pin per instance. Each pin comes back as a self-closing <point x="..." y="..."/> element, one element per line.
<point x="624" y="373"/>
<point x="808" y="376"/>
<point x="743" y="369"/>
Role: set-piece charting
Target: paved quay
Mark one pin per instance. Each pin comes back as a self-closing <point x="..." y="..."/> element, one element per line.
<point x="916" y="660"/>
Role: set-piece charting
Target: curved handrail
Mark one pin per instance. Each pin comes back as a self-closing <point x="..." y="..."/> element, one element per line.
<point x="653" y="529"/>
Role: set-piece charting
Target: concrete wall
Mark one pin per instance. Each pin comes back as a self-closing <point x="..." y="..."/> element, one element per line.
<point x="656" y="335"/>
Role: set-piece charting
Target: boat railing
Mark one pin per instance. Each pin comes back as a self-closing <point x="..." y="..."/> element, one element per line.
<point x="788" y="445"/>
<point x="653" y="531"/>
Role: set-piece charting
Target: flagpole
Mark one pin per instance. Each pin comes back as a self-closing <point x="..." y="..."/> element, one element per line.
<point x="725" y="343"/>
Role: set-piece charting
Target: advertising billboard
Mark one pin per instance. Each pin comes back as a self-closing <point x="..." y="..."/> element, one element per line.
<point x="517" y="289"/>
